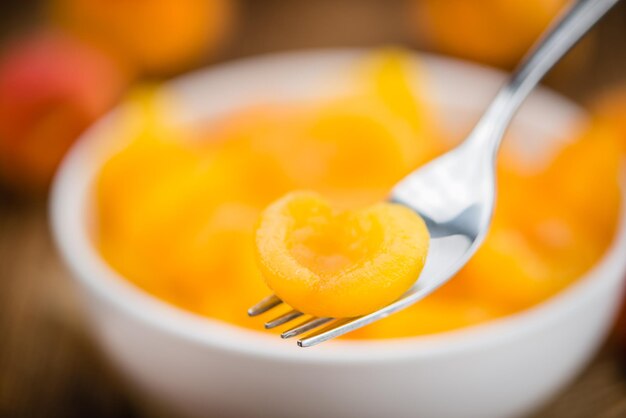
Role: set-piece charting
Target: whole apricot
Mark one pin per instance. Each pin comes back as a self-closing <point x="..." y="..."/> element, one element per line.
<point x="155" y="36"/>
<point x="497" y="32"/>
<point x="51" y="88"/>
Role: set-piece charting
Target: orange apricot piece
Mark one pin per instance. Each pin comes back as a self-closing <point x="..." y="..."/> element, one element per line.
<point x="509" y="270"/>
<point x="585" y="178"/>
<point x="396" y="80"/>
<point x="497" y="32"/>
<point x="339" y="264"/>
<point x="153" y="36"/>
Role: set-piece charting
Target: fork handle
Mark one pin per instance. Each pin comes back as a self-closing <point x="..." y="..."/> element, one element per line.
<point x="564" y="33"/>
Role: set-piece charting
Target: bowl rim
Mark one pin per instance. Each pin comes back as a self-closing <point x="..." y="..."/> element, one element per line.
<point x="68" y="207"/>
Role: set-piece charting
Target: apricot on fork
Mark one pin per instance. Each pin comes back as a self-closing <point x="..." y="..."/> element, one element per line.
<point x="330" y="263"/>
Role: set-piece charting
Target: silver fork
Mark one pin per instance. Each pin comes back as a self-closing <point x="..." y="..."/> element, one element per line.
<point x="455" y="193"/>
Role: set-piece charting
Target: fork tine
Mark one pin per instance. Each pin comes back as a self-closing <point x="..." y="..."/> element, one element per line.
<point x="305" y="326"/>
<point x="282" y="319"/>
<point x="264" y="305"/>
<point x="333" y="330"/>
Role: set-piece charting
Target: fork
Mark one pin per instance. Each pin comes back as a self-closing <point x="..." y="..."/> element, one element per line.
<point x="455" y="193"/>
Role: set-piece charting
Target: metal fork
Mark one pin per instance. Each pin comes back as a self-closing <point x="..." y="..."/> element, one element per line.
<point x="455" y="193"/>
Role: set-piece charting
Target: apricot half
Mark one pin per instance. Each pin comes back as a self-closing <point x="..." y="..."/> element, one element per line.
<point x="329" y="263"/>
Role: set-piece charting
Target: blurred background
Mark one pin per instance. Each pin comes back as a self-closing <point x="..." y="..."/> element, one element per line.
<point x="63" y="63"/>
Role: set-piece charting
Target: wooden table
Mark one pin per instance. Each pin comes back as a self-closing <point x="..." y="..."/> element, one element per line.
<point x="49" y="367"/>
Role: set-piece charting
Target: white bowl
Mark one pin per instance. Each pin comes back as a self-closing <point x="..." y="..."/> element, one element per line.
<point x="199" y="367"/>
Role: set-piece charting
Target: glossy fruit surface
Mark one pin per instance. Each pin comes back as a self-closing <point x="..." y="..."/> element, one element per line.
<point x="339" y="264"/>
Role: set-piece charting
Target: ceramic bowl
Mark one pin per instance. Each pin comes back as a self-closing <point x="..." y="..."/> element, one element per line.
<point x="198" y="367"/>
